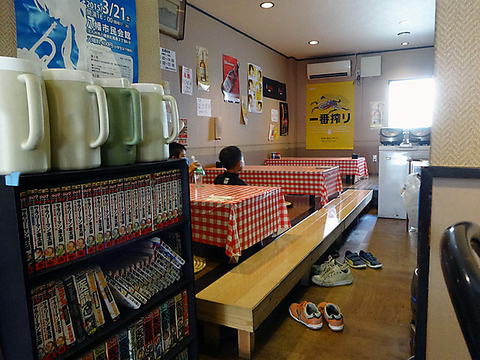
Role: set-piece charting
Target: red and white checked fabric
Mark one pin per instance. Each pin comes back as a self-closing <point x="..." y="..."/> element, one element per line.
<point x="252" y="214"/>
<point x="348" y="166"/>
<point x="294" y="180"/>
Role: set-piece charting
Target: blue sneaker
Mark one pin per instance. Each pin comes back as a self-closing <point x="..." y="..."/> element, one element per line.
<point x="354" y="260"/>
<point x="370" y="260"/>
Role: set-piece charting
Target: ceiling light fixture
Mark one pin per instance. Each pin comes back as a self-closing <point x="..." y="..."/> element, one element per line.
<point x="313" y="42"/>
<point x="404" y="33"/>
<point x="405" y="43"/>
<point x="267" y="5"/>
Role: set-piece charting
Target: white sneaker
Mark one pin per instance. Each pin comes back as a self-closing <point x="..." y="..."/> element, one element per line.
<point x="338" y="274"/>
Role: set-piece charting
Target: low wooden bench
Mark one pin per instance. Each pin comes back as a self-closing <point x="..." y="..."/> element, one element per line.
<point x="244" y="297"/>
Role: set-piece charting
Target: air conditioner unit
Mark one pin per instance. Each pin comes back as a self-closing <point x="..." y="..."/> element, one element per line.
<point x="329" y="70"/>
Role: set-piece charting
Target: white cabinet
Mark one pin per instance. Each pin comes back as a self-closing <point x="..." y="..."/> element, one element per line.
<point x="393" y="169"/>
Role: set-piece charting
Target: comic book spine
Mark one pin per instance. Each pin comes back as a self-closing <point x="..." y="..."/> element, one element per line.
<point x="157" y="333"/>
<point x="74" y="307"/>
<point x="170" y="195"/>
<point x="142" y="200"/>
<point x="186" y="325"/>
<point x="173" y="325"/>
<point x="56" y="319"/>
<point x="65" y="314"/>
<point x="98" y="211"/>
<point x="84" y="299"/>
<point x="101" y="352"/>
<point x="47" y="227"/>
<point x="96" y="302"/>
<point x="164" y="198"/>
<point x="158" y="201"/>
<point x="149" y="203"/>
<point x="129" y="213"/>
<point x="135" y="207"/>
<point x="179" y="194"/>
<point x="107" y="220"/>
<point x="115" y="218"/>
<point x="122" y="295"/>
<point x="128" y="287"/>
<point x="179" y="316"/>
<point x="153" y="206"/>
<point x="87" y="195"/>
<point x="139" y="340"/>
<point x="123" y="345"/>
<point x="37" y="320"/>
<point x="89" y="356"/>
<point x="58" y="225"/>
<point x="79" y="221"/>
<point x="176" y="199"/>
<point x="148" y="336"/>
<point x="106" y="294"/>
<point x="36" y="228"/>
<point x="132" y="341"/>
<point x="47" y="328"/>
<point x="69" y="223"/>
<point x="27" y="239"/>
<point x="122" y="210"/>
<point x="112" y="348"/>
<point x="165" y="327"/>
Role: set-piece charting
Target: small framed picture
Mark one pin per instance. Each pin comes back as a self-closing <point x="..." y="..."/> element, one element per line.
<point x="171" y="17"/>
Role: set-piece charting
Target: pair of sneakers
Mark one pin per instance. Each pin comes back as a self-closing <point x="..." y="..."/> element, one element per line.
<point x="362" y="260"/>
<point x="332" y="273"/>
<point x="310" y="315"/>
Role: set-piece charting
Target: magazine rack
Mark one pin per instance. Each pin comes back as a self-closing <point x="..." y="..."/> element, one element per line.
<point x="17" y="330"/>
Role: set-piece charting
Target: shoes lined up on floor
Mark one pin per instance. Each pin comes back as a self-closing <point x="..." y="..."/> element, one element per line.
<point x="310" y="315"/>
<point x="332" y="273"/>
<point x="362" y="260"/>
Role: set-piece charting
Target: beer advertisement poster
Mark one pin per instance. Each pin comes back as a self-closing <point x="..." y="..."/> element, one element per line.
<point x="330" y="115"/>
<point x="230" y="85"/>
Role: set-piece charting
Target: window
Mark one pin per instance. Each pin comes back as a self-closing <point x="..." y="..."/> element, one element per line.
<point x="410" y="103"/>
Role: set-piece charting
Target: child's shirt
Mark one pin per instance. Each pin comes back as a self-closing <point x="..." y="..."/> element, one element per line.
<point x="228" y="178"/>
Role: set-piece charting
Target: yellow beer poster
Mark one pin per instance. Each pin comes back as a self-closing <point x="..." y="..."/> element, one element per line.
<point x="330" y="115"/>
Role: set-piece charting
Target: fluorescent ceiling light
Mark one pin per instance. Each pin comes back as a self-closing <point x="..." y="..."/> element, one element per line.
<point x="313" y="42"/>
<point x="405" y="43"/>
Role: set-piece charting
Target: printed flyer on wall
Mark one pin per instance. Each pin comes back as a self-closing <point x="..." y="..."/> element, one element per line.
<point x="203" y="77"/>
<point x="255" y="89"/>
<point x="98" y="36"/>
<point x="231" y="85"/>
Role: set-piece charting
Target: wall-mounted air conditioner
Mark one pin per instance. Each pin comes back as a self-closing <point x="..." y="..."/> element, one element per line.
<point x="329" y="69"/>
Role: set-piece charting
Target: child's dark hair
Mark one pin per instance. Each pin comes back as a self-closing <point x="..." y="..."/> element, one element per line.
<point x="230" y="156"/>
<point x="175" y="149"/>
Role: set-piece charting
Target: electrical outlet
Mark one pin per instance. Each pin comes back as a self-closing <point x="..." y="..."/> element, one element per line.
<point x="357" y="72"/>
<point x="374" y="158"/>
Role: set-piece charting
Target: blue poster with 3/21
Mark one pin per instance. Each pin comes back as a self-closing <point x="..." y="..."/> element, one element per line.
<point x="98" y="36"/>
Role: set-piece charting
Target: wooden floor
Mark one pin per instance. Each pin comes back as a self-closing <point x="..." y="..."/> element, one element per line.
<point x="376" y="306"/>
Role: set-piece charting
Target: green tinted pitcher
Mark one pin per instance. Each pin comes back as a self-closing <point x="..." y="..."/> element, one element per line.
<point x="125" y="114"/>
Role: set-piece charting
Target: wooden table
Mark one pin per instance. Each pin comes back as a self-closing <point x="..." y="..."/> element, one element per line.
<point x="236" y="217"/>
<point x="348" y="166"/>
<point x="294" y="180"/>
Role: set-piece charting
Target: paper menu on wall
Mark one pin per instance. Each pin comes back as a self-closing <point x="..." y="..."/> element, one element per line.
<point x="204" y="107"/>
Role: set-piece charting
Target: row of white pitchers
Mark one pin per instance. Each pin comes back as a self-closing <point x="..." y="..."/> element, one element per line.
<point x="65" y="119"/>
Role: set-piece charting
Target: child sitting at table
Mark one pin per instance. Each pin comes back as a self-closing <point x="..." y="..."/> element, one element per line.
<point x="179" y="151"/>
<point x="232" y="159"/>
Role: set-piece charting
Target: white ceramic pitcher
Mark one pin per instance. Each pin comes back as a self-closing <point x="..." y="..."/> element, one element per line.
<point x="78" y="118"/>
<point x="25" y="133"/>
<point x="154" y="146"/>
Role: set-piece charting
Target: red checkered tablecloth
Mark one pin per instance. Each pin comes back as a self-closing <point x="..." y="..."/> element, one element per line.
<point x="236" y="217"/>
<point x="294" y="180"/>
<point x="348" y="166"/>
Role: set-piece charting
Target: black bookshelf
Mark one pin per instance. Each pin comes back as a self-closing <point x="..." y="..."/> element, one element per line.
<point x="17" y="335"/>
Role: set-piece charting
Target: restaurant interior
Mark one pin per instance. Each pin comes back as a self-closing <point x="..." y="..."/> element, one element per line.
<point x="318" y="191"/>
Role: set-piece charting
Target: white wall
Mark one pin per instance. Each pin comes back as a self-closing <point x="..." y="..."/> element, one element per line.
<point x="252" y="138"/>
<point x="396" y="65"/>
